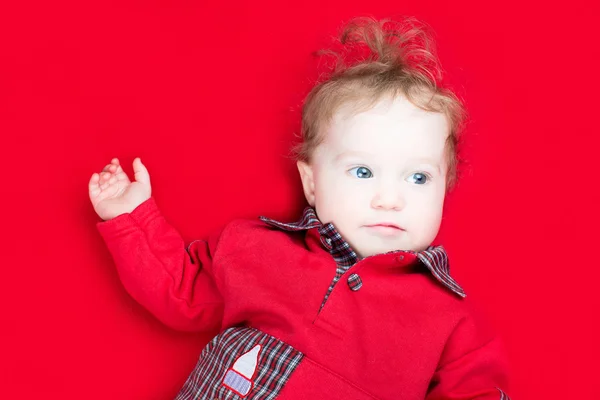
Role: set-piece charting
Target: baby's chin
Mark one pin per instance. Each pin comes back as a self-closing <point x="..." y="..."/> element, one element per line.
<point x="369" y="251"/>
<point x="373" y="249"/>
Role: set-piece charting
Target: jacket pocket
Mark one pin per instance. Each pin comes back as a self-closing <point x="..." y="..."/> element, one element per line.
<point x="313" y="381"/>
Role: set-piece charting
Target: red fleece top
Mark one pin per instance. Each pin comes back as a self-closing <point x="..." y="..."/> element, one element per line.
<point x="400" y="333"/>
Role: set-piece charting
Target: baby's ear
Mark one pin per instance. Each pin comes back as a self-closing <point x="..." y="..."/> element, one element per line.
<point x="308" y="183"/>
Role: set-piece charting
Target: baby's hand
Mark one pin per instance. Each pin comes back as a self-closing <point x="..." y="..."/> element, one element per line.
<point x="113" y="194"/>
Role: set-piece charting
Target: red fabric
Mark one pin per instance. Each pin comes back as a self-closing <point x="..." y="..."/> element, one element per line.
<point x="331" y="385"/>
<point x="400" y="330"/>
<point x="208" y="94"/>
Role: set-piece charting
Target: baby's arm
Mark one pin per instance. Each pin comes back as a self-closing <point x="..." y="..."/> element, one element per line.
<point x="473" y="365"/>
<point x="150" y="255"/>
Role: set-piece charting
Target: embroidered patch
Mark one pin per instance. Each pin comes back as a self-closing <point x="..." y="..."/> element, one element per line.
<point x="239" y="378"/>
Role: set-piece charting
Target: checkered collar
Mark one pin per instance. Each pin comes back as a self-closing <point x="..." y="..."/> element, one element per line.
<point x="434" y="257"/>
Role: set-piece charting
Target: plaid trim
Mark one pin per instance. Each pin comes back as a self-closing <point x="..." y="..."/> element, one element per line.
<point x="354" y="282"/>
<point x="309" y="220"/>
<point x="340" y="249"/>
<point x="215" y="374"/>
<point x="434" y="257"/>
<point x="436" y="260"/>
<point x="503" y="396"/>
<point x="339" y="271"/>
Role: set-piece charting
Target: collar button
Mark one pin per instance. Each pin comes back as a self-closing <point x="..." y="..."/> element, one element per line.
<point x="354" y="282"/>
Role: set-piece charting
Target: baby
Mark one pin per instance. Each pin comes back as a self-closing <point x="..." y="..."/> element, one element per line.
<point x="352" y="301"/>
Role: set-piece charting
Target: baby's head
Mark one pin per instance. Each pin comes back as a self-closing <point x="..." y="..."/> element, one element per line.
<point x="379" y="148"/>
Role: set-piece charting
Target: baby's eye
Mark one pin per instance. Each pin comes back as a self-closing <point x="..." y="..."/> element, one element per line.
<point x="418" y="178"/>
<point x="361" y="172"/>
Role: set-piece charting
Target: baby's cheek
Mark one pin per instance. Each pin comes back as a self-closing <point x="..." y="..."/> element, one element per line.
<point x="353" y="208"/>
<point x="429" y="229"/>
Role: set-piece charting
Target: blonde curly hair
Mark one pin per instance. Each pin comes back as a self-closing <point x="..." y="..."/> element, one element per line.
<point x="377" y="59"/>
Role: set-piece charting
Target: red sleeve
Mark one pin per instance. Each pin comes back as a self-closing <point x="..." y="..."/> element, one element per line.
<point x="176" y="286"/>
<point x="473" y="366"/>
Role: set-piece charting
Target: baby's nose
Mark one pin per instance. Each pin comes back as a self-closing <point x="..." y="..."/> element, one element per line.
<point x="389" y="198"/>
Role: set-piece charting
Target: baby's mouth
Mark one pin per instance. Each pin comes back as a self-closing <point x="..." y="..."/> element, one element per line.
<point x="385" y="228"/>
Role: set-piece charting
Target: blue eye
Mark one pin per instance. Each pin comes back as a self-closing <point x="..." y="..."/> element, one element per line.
<point x="418" y="178"/>
<point x="361" y="172"/>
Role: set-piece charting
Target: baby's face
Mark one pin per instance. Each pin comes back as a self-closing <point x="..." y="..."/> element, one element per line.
<point x="380" y="177"/>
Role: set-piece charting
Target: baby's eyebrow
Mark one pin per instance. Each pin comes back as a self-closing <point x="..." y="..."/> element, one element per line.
<point x="428" y="161"/>
<point x="348" y="154"/>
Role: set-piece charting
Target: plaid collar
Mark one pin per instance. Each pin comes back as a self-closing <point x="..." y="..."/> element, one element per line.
<point x="434" y="257"/>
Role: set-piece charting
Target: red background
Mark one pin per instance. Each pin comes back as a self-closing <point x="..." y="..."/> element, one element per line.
<point x="208" y="95"/>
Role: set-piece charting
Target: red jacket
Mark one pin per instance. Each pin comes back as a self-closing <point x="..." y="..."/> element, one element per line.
<point x="301" y="317"/>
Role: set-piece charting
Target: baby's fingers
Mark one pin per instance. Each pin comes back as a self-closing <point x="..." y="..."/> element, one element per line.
<point x="94" y="185"/>
<point x="102" y="180"/>
<point x="120" y="175"/>
<point x="108" y="170"/>
<point x="100" y="190"/>
<point x="140" y="172"/>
